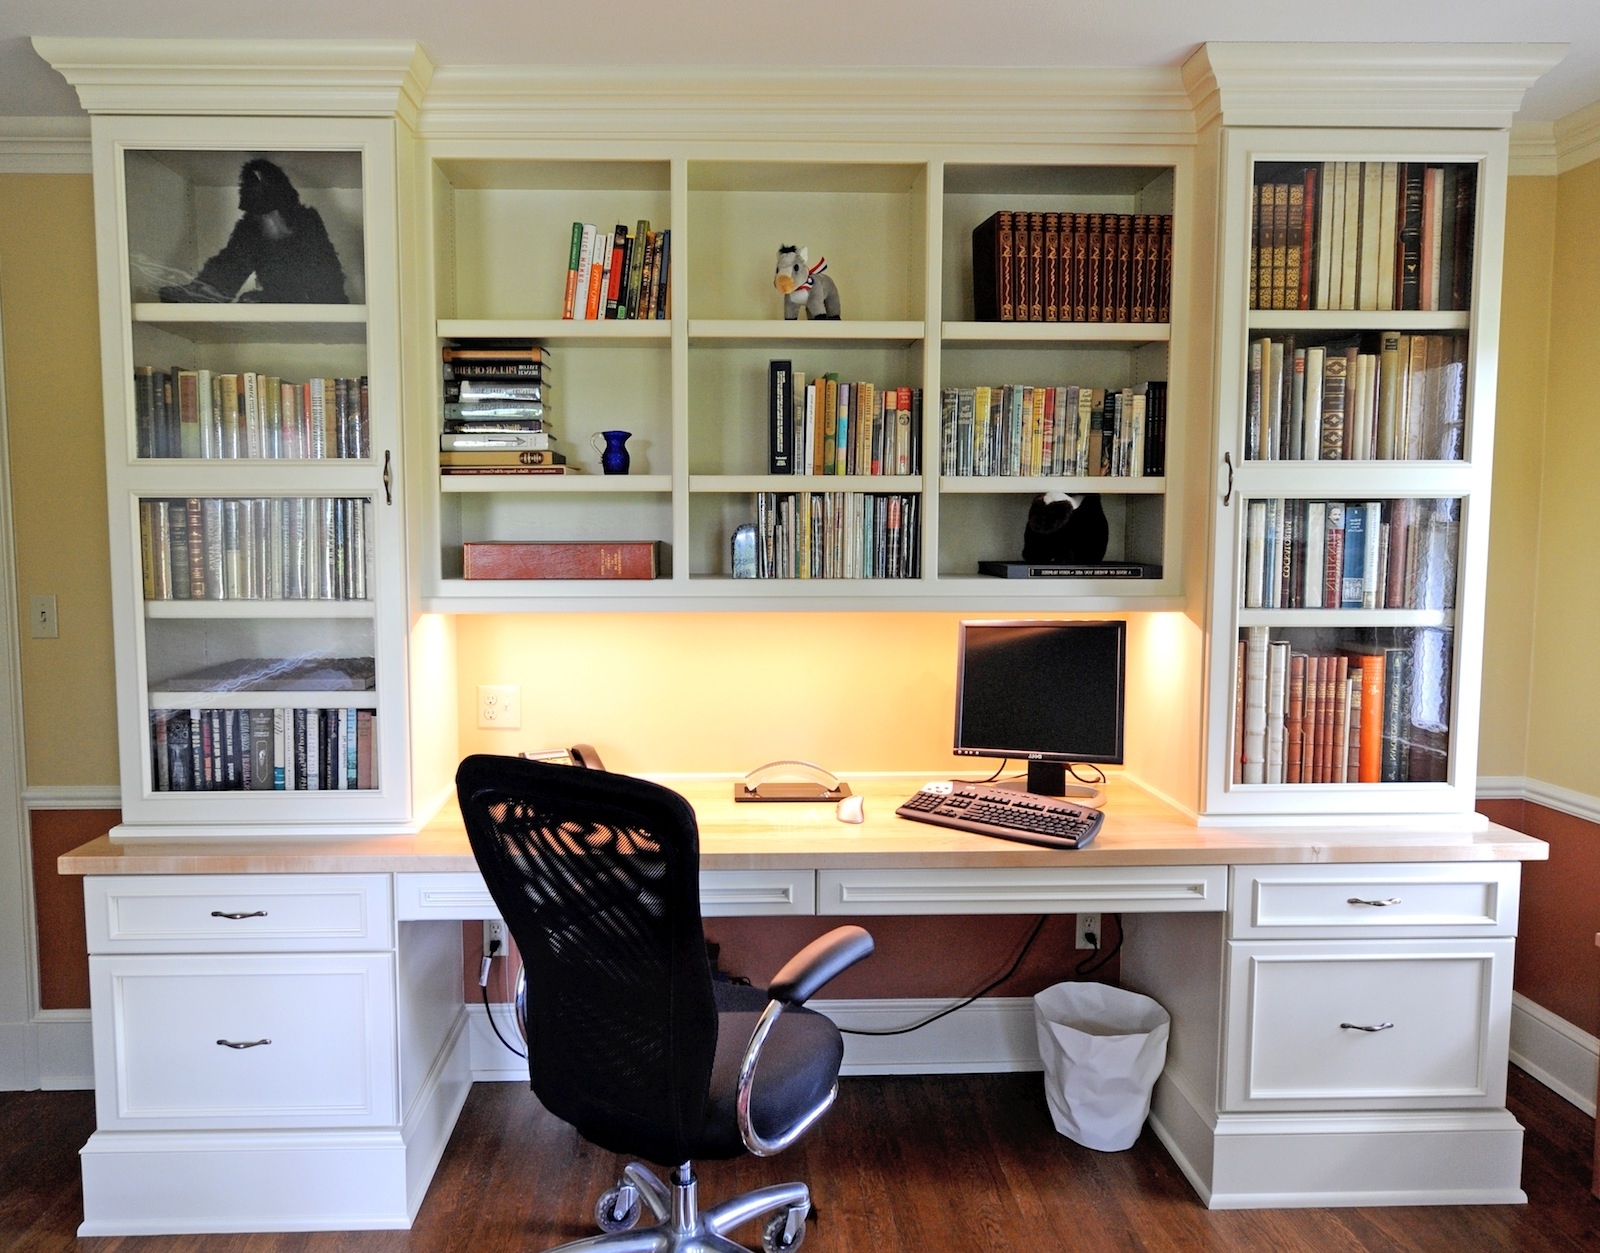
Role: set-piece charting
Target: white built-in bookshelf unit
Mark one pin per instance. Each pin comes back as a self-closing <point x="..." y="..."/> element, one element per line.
<point x="896" y="232"/>
<point x="257" y="546"/>
<point x="1412" y="467"/>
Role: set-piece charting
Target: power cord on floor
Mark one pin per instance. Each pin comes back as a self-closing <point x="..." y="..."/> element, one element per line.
<point x="483" y="988"/>
<point x="950" y="1009"/>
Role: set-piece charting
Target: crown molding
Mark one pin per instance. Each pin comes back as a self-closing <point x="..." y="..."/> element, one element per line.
<point x="844" y="105"/>
<point x="1469" y="86"/>
<point x="44" y="145"/>
<point x="287" y="77"/>
<point x="1533" y="149"/>
<point x="1577" y="138"/>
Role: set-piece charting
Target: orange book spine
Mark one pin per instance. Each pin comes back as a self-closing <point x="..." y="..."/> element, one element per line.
<point x="1372" y="720"/>
<point x="599" y="559"/>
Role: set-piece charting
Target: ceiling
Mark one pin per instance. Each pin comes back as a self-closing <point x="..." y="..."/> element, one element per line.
<point x="790" y="34"/>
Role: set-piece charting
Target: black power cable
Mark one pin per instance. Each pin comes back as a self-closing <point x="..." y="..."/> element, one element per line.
<point x="950" y="1009"/>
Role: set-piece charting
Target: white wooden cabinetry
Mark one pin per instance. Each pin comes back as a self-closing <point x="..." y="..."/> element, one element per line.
<point x="271" y="1052"/>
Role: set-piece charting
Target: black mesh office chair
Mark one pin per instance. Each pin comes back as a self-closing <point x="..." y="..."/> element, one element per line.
<point x="629" y="1038"/>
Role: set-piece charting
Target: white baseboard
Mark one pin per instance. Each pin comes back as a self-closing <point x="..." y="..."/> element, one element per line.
<point x="996" y="1033"/>
<point x="1565" y="1058"/>
<point x="1564" y="800"/>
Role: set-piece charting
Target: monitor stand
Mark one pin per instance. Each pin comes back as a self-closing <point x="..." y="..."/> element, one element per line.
<point x="1049" y="778"/>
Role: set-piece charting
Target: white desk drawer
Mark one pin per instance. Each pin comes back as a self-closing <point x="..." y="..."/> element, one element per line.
<point x="1340" y="902"/>
<point x="237" y="913"/>
<point x="1439" y="1013"/>
<point x="1024" y="890"/>
<point x="723" y="894"/>
<point x="318" y="1035"/>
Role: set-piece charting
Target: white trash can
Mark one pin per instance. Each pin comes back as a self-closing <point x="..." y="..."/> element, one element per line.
<point x="1102" y="1049"/>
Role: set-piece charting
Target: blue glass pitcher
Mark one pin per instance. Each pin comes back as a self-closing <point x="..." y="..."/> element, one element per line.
<point x="614" y="452"/>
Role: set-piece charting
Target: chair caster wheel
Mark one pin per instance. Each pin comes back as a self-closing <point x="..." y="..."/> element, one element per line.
<point x="618" y="1208"/>
<point x="772" y="1233"/>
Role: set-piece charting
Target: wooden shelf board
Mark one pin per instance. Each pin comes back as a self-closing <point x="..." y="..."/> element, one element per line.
<point x="999" y="484"/>
<point x="578" y="333"/>
<point x="560" y="484"/>
<point x="206" y="610"/>
<point x="1406" y="321"/>
<point x="711" y="331"/>
<point x="1347" y="617"/>
<point x="1055" y="332"/>
<point x="805" y="483"/>
<point x="160" y="699"/>
<point x="249" y="323"/>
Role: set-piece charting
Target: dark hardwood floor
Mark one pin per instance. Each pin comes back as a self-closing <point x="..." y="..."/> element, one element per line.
<point x="934" y="1164"/>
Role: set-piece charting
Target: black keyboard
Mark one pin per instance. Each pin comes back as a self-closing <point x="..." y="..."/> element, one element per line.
<point x="1048" y="821"/>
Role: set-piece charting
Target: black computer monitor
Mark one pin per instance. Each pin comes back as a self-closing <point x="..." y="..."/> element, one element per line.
<point x="1050" y="692"/>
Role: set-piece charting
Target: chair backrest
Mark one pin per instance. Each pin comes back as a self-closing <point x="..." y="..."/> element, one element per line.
<point x="597" y="878"/>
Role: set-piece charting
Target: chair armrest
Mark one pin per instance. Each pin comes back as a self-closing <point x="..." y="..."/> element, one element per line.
<point x="801" y="977"/>
<point x="804" y="974"/>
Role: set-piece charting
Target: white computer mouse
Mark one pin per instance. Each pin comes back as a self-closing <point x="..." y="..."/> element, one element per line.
<point x="850" y="810"/>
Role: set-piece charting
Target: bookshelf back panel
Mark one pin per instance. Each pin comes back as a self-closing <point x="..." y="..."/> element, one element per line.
<point x="183" y="205"/>
<point x="872" y="241"/>
<point x="178" y="648"/>
<point x="728" y="394"/>
<point x="977" y="527"/>
<point x="289" y="361"/>
<point x="511" y="246"/>
<point x="532" y="516"/>
<point x="1050" y="365"/>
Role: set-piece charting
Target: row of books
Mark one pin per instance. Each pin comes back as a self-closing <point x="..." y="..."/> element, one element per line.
<point x="1372" y="714"/>
<point x="266" y="548"/>
<point x="1017" y="429"/>
<point x="618" y="274"/>
<point x="1379" y="554"/>
<point x="838" y="535"/>
<point x="1072" y="267"/>
<point x="1362" y="235"/>
<point x="263" y="750"/>
<point x="829" y="426"/>
<point x="198" y="413"/>
<point x="1389" y="397"/>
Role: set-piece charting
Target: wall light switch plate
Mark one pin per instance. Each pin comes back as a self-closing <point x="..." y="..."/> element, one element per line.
<point x="42" y="617"/>
<point x="499" y="708"/>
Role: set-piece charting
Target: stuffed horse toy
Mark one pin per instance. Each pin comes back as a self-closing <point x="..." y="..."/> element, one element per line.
<point x="805" y="286"/>
<point x="1065" y="530"/>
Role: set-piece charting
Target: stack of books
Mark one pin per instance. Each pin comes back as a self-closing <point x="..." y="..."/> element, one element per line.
<point x="618" y="274"/>
<point x="1072" y="267"/>
<point x="1388" y="397"/>
<point x="198" y="413"/>
<point x="837" y="535"/>
<point x="829" y="426"/>
<point x="1085" y="432"/>
<point x="1370" y="714"/>
<point x="1362" y="235"/>
<point x="1334" y="554"/>
<point x="496" y="412"/>
<point x="262" y="750"/>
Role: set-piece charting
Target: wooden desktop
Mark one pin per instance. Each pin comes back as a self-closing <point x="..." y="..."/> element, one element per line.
<point x="1250" y="936"/>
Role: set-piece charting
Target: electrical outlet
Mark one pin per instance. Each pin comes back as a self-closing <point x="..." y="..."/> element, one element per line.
<point x="500" y="708"/>
<point x="42" y="617"/>
<point x="1089" y="931"/>
<point x="494" y="937"/>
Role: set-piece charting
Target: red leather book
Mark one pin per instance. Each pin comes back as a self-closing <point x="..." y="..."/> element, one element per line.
<point x="560" y="559"/>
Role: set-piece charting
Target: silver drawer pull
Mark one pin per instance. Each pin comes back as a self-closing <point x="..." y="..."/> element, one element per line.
<point x="1356" y="900"/>
<point x="1343" y="1026"/>
<point x="253" y="1044"/>
<point x="254" y="913"/>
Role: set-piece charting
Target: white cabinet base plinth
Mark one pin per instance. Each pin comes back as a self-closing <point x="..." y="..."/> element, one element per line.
<point x="139" y="1183"/>
<point x="1282" y="1161"/>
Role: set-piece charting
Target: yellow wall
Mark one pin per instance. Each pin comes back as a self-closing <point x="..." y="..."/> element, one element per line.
<point x="1518" y="463"/>
<point x="50" y="315"/>
<point x="1564" y="722"/>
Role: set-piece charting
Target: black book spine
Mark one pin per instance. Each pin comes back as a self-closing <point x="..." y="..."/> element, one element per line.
<point x="780" y="404"/>
<point x="1409" y="239"/>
